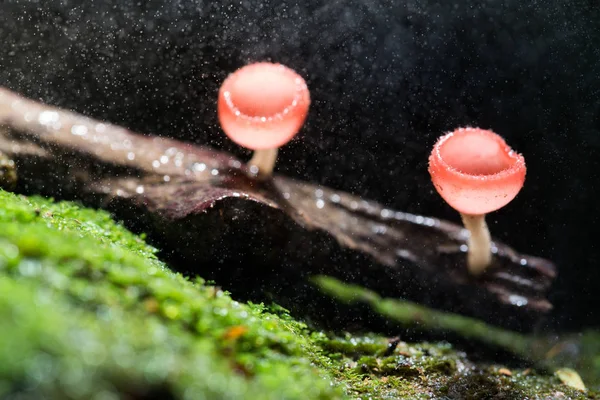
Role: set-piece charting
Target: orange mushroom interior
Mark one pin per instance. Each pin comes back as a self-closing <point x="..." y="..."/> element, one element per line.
<point x="474" y="153"/>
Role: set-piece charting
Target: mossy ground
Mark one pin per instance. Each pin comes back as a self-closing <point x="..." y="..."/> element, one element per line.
<point x="89" y="312"/>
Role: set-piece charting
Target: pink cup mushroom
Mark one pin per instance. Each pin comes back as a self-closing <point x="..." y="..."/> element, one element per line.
<point x="476" y="172"/>
<point x="262" y="106"/>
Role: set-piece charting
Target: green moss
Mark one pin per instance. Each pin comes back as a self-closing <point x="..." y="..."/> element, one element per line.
<point x="413" y="315"/>
<point x="89" y="312"/>
<point x="441" y="365"/>
<point x="436" y="370"/>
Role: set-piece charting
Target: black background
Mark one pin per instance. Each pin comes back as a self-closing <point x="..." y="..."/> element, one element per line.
<point x="386" y="79"/>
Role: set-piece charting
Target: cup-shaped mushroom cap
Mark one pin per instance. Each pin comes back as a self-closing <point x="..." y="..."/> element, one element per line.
<point x="475" y="171"/>
<point x="263" y="105"/>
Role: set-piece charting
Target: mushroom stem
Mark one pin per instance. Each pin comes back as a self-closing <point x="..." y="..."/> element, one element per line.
<point x="479" y="255"/>
<point x="264" y="160"/>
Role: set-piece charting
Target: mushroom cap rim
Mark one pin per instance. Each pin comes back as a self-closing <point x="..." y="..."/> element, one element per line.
<point x="301" y="94"/>
<point x="436" y="158"/>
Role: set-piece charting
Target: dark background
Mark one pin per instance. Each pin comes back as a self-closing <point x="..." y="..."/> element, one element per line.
<point x="386" y="79"/>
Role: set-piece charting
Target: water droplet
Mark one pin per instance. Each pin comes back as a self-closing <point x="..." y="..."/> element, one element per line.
<point x="320" y="203"/>
<point x="166" y="178"/>
<point x="286" y="195"/>
<point x="29" y="268"/>
<point x="379" y="229"/>
<point x="254" y="169"/>
<point x="164" y="159"/>
<point x="517" y="300"/>
<point x="79" y="130"/>
<point x="404" y="253"/>
<point x="419" y="220"/>
<point x="335" y="198"/>
<point x="235" y="164"/>
<point x="156" y="163"/>
<point x="139" y="189"/>
<point x="523" y="261"/>
<point x="131" y="156"/>
<point x="464" y="248"/>
<point x="199" y="167"/>
<point x="318" y="193"/>
<point x="10" y="251"/>
<point x="48" y="117"/>
<point x="385" y="213"/>
<point x="214" y="172"/>
<point x="429" y="221"/>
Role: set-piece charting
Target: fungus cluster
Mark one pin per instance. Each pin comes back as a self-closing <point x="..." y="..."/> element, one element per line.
<point x="476" y="172"/>
<point x="261" y="107"/>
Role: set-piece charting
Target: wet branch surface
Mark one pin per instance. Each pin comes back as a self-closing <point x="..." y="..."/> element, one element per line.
<point x="259" y="239"/>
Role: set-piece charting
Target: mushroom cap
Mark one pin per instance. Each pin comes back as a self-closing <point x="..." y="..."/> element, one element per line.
<point x="263" y="105"/>
<point x="475" y="171"/>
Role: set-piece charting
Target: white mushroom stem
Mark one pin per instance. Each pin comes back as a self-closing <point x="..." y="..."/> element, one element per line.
<point x="264" y="161"/>
<point x="479" y="255"/>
